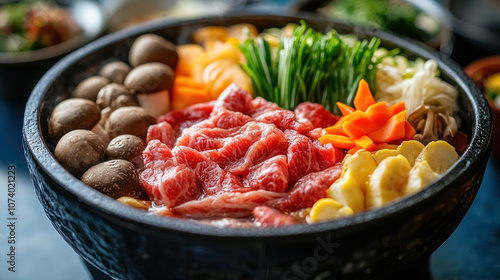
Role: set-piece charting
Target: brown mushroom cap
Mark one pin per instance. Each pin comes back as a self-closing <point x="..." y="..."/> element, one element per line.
<point x="115" y="95"/>
<point x="153" y="48"/>
<point x="115" y="178"/>
<point x="71" y="114"/>
<point x="150" y="78"/>
<point x="89" y="88"/>
<point x="115" y="71"/>
<point x="78" y="150"/>
<point x="127" y="147"/>
<point x="129" y="120"/>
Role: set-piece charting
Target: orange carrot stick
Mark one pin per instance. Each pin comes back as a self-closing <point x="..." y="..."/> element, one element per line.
<point x="393" y="129"/>
<point x="398" y="107"/>
<point x="364" y="143"/>
<point x="184" y="81"/>
<point x="183" y="97"/>
<point x="345" y="109"/>
<point x="364" y="97"/>
<point x="360" y="126"/>
<point x="379" y="112"/>
<point x="336" y="130"/>
<point x="338" y="141"/>
<point x="409" y="132"/>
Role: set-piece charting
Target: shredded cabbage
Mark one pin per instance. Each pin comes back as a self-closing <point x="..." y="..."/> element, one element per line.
<point x="414" y="82"/>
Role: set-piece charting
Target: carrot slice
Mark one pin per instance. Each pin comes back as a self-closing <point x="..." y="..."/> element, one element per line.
<point x="345" y="109"/>
<point x="381" y="146"/>
<point x="187" y="54"/>
<point x="337" y="141"/>
<point x="393" y="129"/>
<point x="398" y="107"/>
<point x="184" y="81"/>
<point x="364" y="97"/>
<point x="336" y="130"/>
<point x="379" y="112"/>
<point x="354" y="115"/>
<point x="364" y="142"/>
<point x="360" y="126"/>
<point x="183" y="97"/>
<point x="409" y="131"/>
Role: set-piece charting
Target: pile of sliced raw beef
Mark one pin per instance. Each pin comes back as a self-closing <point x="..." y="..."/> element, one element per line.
<point x="239" y="157"/>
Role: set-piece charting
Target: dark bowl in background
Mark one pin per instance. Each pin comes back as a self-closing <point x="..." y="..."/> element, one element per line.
<point x="388" y="243"/>
<point x="476" y="22"/>
<point x="19" y="72"/>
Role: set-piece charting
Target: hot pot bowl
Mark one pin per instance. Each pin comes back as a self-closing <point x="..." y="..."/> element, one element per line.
<point x="126" y="243"/>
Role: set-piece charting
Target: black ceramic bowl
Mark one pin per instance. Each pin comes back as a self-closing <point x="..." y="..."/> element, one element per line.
<point x="126" y="243"/>
<point x="19" y="72"/>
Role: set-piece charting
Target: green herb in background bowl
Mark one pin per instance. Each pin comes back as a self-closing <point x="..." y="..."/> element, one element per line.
<point x="399" y="16"/>
<point x="33" y="25"/>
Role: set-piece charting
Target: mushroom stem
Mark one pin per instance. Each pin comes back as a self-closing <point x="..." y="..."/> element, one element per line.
<point x="428" y="135"/>
<point x="156" y="104"/>
<point x="102" y="133"/>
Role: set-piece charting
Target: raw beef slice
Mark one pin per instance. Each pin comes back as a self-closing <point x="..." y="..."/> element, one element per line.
<point x="308" y="190"/>
<point x="165" y="181"/>
<point x="271" y="217"/>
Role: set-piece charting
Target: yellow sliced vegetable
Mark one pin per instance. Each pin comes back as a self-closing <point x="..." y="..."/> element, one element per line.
<point x="363" y="164"/>
<point x="210" y="33"/>
<point x="327" y="209"/>
<point x="187" y="54"/>
<point x="347" y="191"/>
<point x="380" y="155"/>
<point x="440" y="155"/>
<point x="136" y="203"/>
<point x="386" y="181"/>
<point x="421" y="175"/>
<point x="238" y="31"/>
<point x="410" y="150"/>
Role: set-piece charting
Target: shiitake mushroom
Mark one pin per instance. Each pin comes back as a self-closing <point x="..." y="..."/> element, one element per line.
<point x="115" y="71"/>
<point x="78" y="150"/>
<point x="89" y="88"/>
<point x="115" y="95"/>
<point x="127" y="147"/>
<point x="115" y="178"/>
<point x="150" y="77"/>
<point x="71" y="114"/>
<point x="129" y="120"/>
<point x="153" y="48"/>
<point x="151" y="82"/>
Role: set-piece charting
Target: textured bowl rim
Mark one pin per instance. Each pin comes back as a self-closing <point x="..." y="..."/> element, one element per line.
<point x="114" y="211"/>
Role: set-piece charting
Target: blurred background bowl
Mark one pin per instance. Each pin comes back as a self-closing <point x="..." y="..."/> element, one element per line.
<point x="477" y="22"/>
<point x="19" y="72"/>
<point x="481" y="71"/>
<point x="422" y="20"/>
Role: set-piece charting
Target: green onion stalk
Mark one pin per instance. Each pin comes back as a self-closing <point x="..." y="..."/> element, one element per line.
<point x="309" y="66"/>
